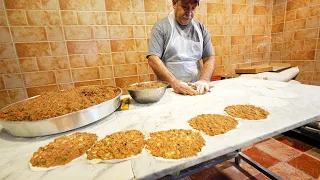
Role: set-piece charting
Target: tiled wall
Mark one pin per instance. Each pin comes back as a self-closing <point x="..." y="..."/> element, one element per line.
<point x="55" y="44"/>
<point x="295" y="37"/>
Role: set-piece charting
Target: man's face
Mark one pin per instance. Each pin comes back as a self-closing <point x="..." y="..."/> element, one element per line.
<point x="184" y="12"/>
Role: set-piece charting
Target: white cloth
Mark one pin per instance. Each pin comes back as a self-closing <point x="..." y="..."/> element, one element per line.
<point x="284" y="76"/>
<point x="183" y="54"/>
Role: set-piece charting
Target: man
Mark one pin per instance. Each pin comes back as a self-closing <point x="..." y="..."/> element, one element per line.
<point x="177" y="44"/>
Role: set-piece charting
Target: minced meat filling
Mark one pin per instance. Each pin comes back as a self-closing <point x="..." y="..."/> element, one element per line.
<point x="142" y="86"/>
<point x="175" y="144"/>
<point x="63" y="150"/>
<point x="213" y="124"/>
<point x="248" y="112"/>
<point x="118" y="145"/>
<point x="57" y="103"/>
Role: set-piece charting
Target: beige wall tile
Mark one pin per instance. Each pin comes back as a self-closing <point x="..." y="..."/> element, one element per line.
<point x="93" y="60"/>
<point x="307" y="66"/>
<point x="16" y="17"/>
<point x="42" y="89"/>
<point x="278" y="19"/>
<point x="139" y="32"/>
<point x="295" y="25"/>
<point x="50" y="4"/>
<point x="215" y="30"/>
<point x="13" y="81"/>
<point x="293" y="45"/>
<point x="85" y="74"/>
<point x="22" y="4"/>
<point x="141" y="45"/>
<point x="291" y="15"/>
<point x="125" y="70"/>
<point x="5" y="34"/>
<point x="108" y="82"/>
<point x="78" y="32"/>
<point x="238" y="30"/>
<point x="260" y="10"/>
<point x="115" y="5"/>
<point x="237" y="40"/>
<point x="304" y="76"/>
<point x="316" y="76"/>
<point x="137" y="5"/>
<point x="69" y="17"/>
<point x="303" y="55"/>
<point x="313" y="22"/>
<point x="33" y="49"/>
<point x="40" y="18"/>
<point x="306" y="34"/>
<point x="103" y="46"/>
<point x="2" y="86"/>
<point x="120" y="32"/>
<point x="315" y="10"/>
<point x="122" y="45"/>
<point x="77" y="61"/>
<point x="29" y="33"/>
<point x="17" y="95"/>
<point x="118" y="58"/>
<point x="113" y="18"/>
<point x="87" y="83"/>
<point x="303" y="12"/>
<point x="54" y="33"/>
<point x="144" y="78"/>
<point x="151" y="18"/>
<point x="106" y="59"/>
<point x="258" y="30"/>
<point x="52" y="63"/>
<point x="101" y="32"/>
<point x="129" y="18"/>
<point x="218" y="8"/>
<point x="106" y="72"/>
<point x="142" y="68"/>
<point x="317" y="66"/>
<point x="75" y="5"/>
<point x="92" y="18"/>
<point x="63" y="76"/>
<point x="9" y="66"/>
<point x="98" y="5"/>
<point x="3" y="19"/>
<point x="39" y="78"/>
<point x="7" y="51"/>
<point x="4" y="99"/>
<point x="296" y="4"/>
<point x="65" y="86"/>
<point x="82" y="47"/>
<point x="133" y="57"/>
<point x="310" y="44"/>
<point x="125" y="81"/>
<point x="58" y="48"/>
<point x="154" y="6"/>
<point x="239" y="9"/>
<point x="28" y="64"/>
<point x="278" y="9"/>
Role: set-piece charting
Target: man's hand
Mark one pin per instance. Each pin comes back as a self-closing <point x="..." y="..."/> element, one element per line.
<point x="202" y="86"/>
<point x="183" y="88"/>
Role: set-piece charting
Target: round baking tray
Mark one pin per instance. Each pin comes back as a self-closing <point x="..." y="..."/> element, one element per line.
<point x="61" y="123"/>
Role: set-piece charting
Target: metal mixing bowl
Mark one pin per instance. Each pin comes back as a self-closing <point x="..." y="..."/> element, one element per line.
<point x="145" y="96"/>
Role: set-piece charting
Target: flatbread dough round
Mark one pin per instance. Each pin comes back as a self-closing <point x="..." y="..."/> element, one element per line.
<point x="247" y="112"/>
<point x="213" y="124"/>
<point x="117" y="147"/>
<point x="61" y="151"/>
<point x="175" y="144"/>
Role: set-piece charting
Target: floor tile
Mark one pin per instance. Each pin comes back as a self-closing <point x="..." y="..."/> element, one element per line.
<point x="278" y="150"/>
<point x="261" y="157"/>
<point x="307" y="164"/>
<point x="301" y="146"/>
<point x="315" y="152"/>
<point x="233" y="171"/>
<point x="208" y="174"/>
<point x="285" y="171"/>
<point x="259" y="176"/>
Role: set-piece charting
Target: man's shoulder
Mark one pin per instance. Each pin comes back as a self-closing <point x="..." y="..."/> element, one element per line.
<point x="162" y="23"/>
<point x="199" y="24"/>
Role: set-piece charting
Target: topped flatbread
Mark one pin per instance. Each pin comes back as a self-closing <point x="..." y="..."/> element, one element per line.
<point x="213" y="124"/>
<point x="175" y="144"/>
<point x="62" y="150"/>
<point x="117" y="146"/>
<point x="247" y="112"/>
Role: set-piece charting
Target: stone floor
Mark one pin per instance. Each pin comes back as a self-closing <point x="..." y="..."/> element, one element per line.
<point x="284" y="155"/>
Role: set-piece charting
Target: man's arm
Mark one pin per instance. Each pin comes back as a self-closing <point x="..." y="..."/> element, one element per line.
<point x="164" y="74"/>
<point x="208" y="68"/>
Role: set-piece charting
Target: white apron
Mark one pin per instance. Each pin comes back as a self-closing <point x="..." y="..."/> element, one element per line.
<point x="182" y="55"/>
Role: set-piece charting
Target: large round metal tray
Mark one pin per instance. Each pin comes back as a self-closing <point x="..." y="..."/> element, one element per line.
<point x="61" y="123"/>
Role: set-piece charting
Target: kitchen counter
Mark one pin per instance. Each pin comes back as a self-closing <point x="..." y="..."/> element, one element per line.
<point x="290" y="106"/>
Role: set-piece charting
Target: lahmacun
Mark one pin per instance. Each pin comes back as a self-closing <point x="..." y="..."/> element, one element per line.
<point x="62" y="150"/>
<point x="175" y="144"/>
<point x="57" y="103"/>
<point x="117" y="146"/>
<point x="213" y="124"/>
<point x="247" y="112"/>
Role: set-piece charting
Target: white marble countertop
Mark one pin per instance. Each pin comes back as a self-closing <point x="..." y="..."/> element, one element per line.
<point x="290" y="106"/>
